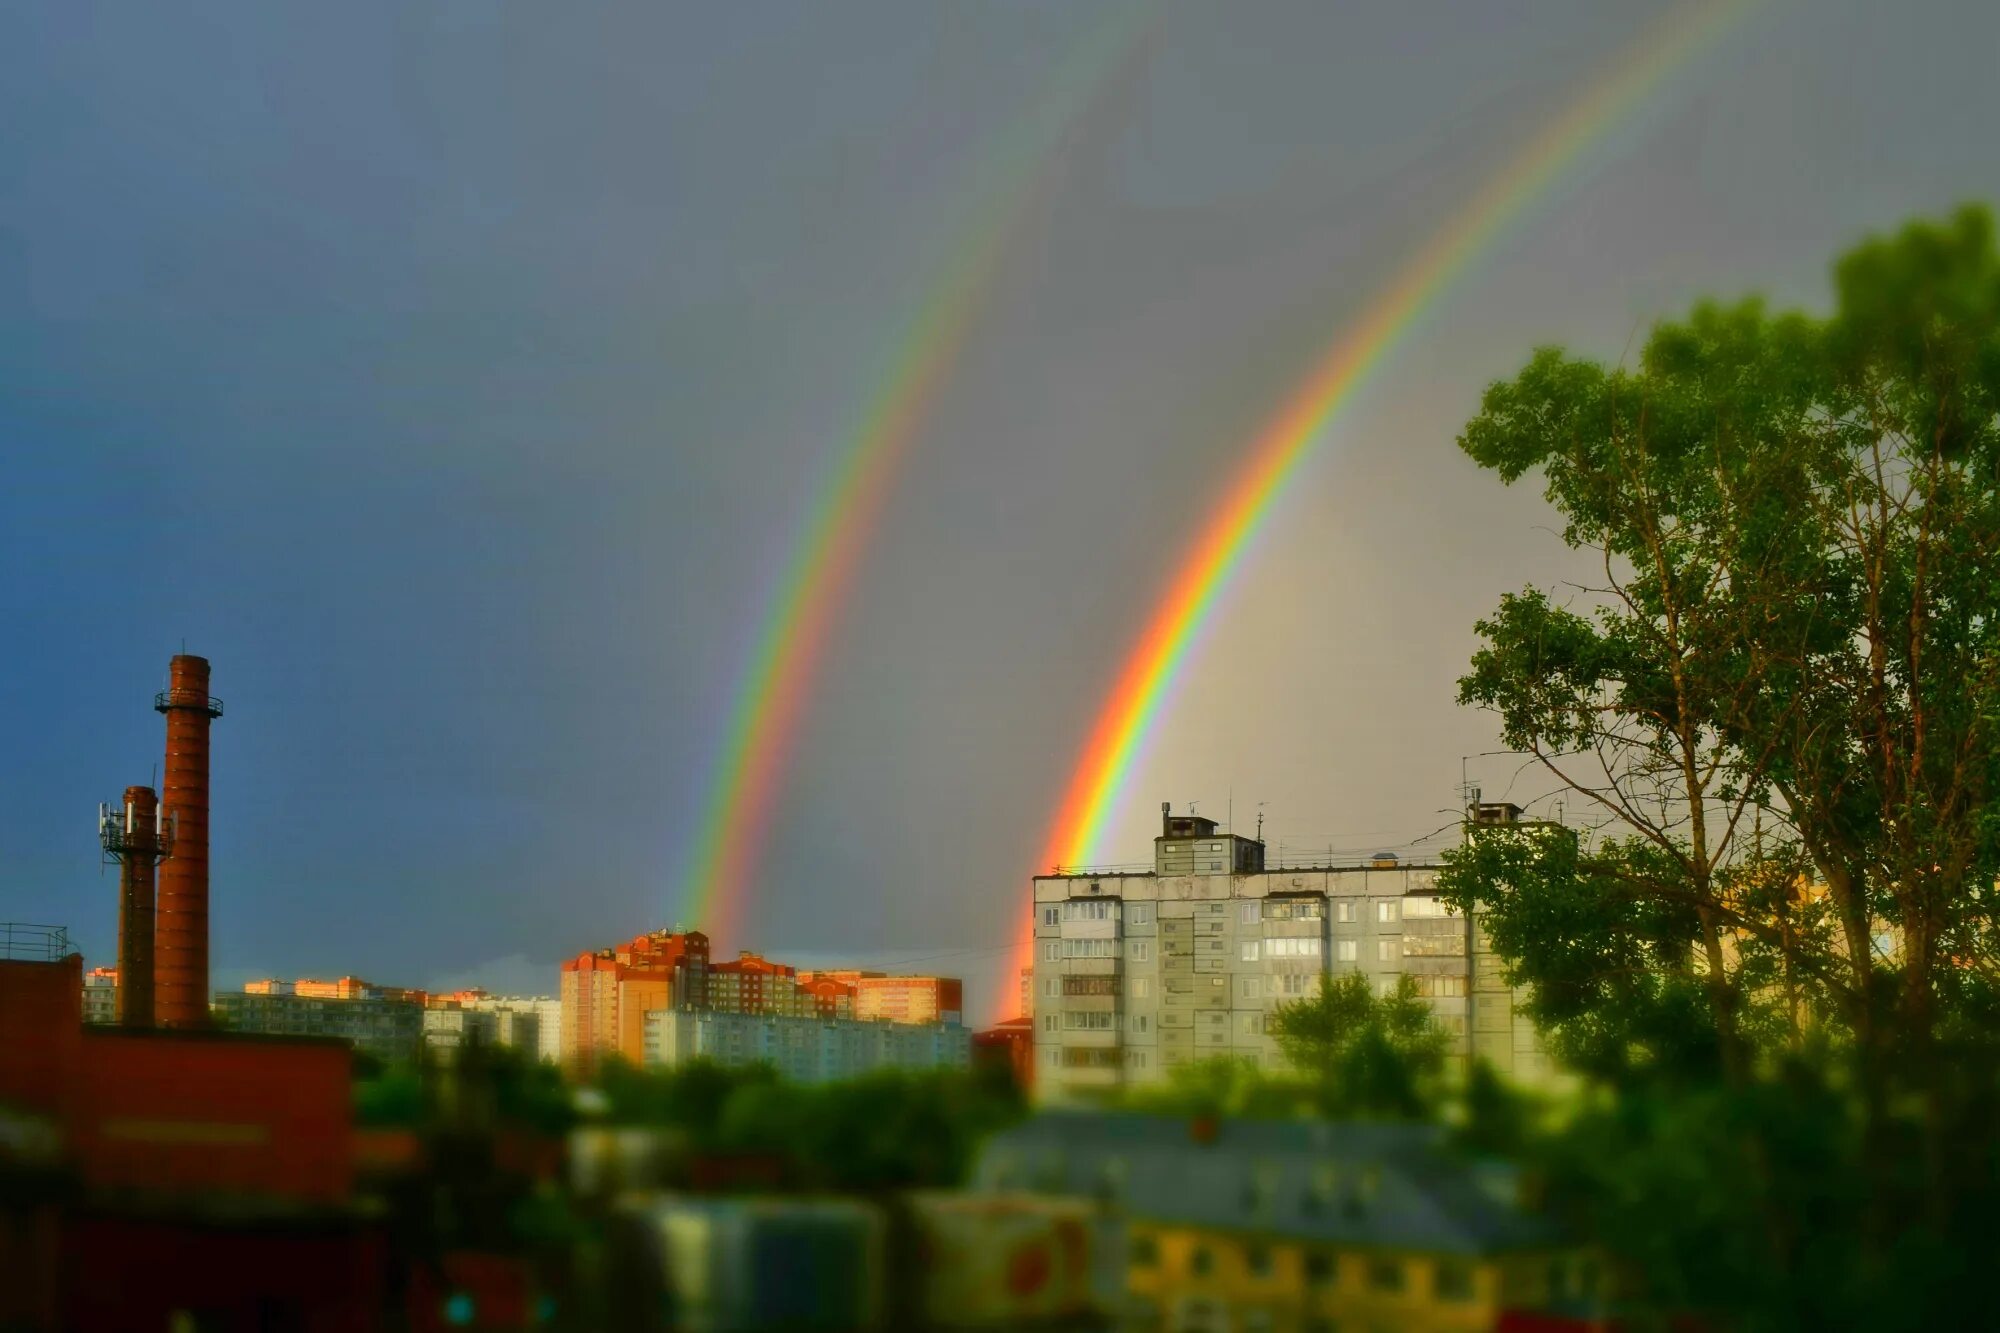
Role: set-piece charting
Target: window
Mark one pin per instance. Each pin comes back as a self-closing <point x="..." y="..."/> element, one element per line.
<point x="1051" y="987"/>
<point x="1346" y="951"/>
<point x="1451" y="1280"/>
<point x="1436" y="986"/>
<point x="1248" y="988"/>
<point x="1320" y="1268"/>
<point x="1087" y="1022"/>
<point x="1388" y="909"/>
<point x="1292" y="948"/>
<point x="1090" y="1057"/>
<point x="1426" y="905"/>
<point x="1055" y="1055"/>
<point x="1145" y="1252"/>
<point x="1141" y="951"/>
<point x="1136" y="1059"/>
<point x="1250" y="951"/>
<point x="1051" y="1022"/>
<point x="1345" y="911"/>
<point x="1052" y="951"/>
<point x="1138" y="914"/>
<point x="1090" y="985"/>
<point x="1250" y="1025"/>
<point x="1257" y="1258"/>
<point x="1052" y="916"/>
<point x="1142" y="987"/>
<point x="1090" y="948"/>
<point x="1297" y="983"/>
<point x="1294" y="909"/>
<point x="1387" y="951"/>
<point x="1247" y="913"/>
<point x="1141" y="1023"/>
<point x="1088" y="909"/>
<point x="1435" y="946"/>
<point x="1385" y="1275"/>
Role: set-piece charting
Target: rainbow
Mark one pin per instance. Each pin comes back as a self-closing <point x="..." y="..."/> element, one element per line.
<point x="1147" y="679"/>
<point x="772" y="690"/>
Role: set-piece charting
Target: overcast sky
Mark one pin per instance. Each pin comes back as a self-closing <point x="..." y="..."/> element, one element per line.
<point x="454" y="377"/>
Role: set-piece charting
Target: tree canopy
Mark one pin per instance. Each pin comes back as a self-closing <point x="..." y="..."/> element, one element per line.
<point x="1779" y="701"/>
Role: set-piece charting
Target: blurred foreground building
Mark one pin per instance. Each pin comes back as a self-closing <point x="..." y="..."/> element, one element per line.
<point x="161" y="1179"/>
<point x="1137" y="973"/>
<point x="1291" y="1226"/>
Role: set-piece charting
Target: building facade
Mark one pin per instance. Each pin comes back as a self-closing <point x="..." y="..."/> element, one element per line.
<point x="802" y="1049"/>
<point x="607" y="994"/>
<point x="544" y="1012"/>
<point x="390" y="1030"/>
<point x="1293" y="1226"/>
<point x="100" y="995"/>
<point x="1137" y="973"/>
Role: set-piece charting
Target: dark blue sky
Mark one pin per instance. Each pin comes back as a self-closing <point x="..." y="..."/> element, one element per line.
<point x="452" y="377"/>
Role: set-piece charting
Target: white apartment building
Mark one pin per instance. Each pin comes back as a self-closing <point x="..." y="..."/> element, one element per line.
<point x="803" y="1049"/>
<point x="1136" y="973"/>
<point x="543" y="1034"/>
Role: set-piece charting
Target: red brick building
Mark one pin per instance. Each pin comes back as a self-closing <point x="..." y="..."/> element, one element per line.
<point x="153" y="1175"/>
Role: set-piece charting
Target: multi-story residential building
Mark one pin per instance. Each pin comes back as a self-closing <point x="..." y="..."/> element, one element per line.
<point x="468" y="1018"/>
<point x="910" y="999"/>
<point x="543" y="1012"/>
<point x="1136" y="973"/>
<point x="829" y="998"/>
<point x="804" y="1049"/>
<point x="1289" y="1225"/>
<point x="607" y="994"/>
<point x="754" y="984"/>
<point x="388" y="1029"/>
<point x="100" y="995"/>
<point x="899" y="999"/>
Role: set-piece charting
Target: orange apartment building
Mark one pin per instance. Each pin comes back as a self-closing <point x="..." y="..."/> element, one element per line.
<point x="910" y="999"/>
<point x="607" y="994"/>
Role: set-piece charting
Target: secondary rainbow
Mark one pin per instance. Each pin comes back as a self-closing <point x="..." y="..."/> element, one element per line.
<point x="1145" y="682"/>
<point x="772" y="692"/>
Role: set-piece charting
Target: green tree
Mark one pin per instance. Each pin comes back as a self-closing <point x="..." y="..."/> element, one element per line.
<point x="1366" y="1055"/>
<point x="1780" y="699"/>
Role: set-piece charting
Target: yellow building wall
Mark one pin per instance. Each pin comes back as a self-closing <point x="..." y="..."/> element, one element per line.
<point x="1285" y="1300"/>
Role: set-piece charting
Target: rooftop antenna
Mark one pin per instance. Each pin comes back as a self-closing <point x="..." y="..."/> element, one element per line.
<point x="1260" y="820"/>
<point x="1191" y="806"/>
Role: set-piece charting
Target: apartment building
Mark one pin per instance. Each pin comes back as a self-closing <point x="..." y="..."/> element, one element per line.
<point x="803" y="1049"/>
<point x="389" y="1029"/>
<point x="1136" y="973"/>
<point x="606" y="994"/>
<point x="100" y="995"/>
<point x="531" y="1022"/>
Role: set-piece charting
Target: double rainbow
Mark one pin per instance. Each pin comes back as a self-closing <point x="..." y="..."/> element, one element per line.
<point x="772" y="691"/>
<point x="1147" y="679"/>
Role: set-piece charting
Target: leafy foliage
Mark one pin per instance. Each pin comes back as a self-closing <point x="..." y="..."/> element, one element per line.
<point x="1366" y="1055"/>
<point x="1774" y="952"/>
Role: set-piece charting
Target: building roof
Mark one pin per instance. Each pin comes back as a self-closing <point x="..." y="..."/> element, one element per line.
<point x="1348" y="1183"/>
